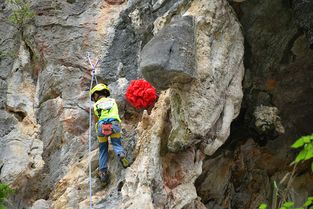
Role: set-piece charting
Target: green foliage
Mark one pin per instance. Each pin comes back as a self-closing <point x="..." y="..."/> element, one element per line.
<point x="21" y="14"/>
<point x="290" y="205"/>
<point x="306" y="142"/>
<point x="263" y="206"/>
<point x="5" y="191"/>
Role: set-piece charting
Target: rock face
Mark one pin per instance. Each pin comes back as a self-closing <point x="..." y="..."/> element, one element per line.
<point x="241" y="175"/>
<point x="179" y="153"/>
<point x="153" y="178"/>
<point x="218" y="83"/>
<point x="169" y="57"/>
<point x="267" y="121"/>
<point x="21" y="146"/>
<point x="41" y="204"/>
<point x="303" y="15"/>
<point x="45" y="87"/>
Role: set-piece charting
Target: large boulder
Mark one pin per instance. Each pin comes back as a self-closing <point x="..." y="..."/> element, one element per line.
<point x="203" y="110"/>
<point x="170" y="56"/>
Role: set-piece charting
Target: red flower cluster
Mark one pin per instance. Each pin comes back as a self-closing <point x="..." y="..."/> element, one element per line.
<point x="141" y="94"/>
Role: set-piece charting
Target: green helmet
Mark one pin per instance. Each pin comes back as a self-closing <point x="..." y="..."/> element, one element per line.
<point x="99" y="87"/>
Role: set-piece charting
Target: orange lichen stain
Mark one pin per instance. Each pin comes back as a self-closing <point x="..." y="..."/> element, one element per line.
<point x="173" y="174"/>
<point x="107" y="16"/>
<point x="100" y="26"/>
<point x="270" y="84"/>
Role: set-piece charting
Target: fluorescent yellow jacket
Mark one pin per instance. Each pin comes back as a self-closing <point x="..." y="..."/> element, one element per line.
<point x="106" y="108"/>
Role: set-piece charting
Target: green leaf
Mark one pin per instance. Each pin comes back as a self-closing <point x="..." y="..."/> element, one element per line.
<point x="309" y="149"/>
<point x="288" y="204"/>
<point x="310" y="198"/>
<point x="301" y="156"/>
<point x="298" y="143"/>
<point x="307" y="203"/>
<point x="312" y="167"/>
<point x="307" y="139"/>
<point x="263" y="206"/>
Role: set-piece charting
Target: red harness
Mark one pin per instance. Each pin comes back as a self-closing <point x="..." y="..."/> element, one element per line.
<point x="107" y="129"/>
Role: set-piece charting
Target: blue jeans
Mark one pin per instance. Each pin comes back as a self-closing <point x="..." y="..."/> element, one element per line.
<point x="104" y="152"/>
<point x="104" y="146"/>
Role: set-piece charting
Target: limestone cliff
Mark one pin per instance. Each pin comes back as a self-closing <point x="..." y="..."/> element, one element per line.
<point x="234" y="80"/>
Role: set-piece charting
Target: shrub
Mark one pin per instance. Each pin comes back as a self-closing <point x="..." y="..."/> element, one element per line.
<point x="21" y="13"/>
<point x="306" y="143"/>
<point x="5" y="192"/>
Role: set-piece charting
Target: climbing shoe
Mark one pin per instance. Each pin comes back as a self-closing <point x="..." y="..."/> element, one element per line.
<point x="124" y="161"/>
<point x="104" y="177"/>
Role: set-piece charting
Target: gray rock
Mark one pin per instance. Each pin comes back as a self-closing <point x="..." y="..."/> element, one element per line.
<point x="56" y="69"/>
<point x="238" y="179"/>
<point x="170" y="56"/>
<point x="21" y="147"/>
<point x="8" y="44"/>
<point x="276" y="25"/>
<point x="118" y="90"/>
<point x="303" y="11"/>
<point x="215" y="96"/>
<point x="21" y="156"/>
<point x="7" y="123"/>
<point x="267" y="121"/>
<point x="3" y="88"/>
<point x="127" y="38"/>
<point x="146" y="185"/>
<point x="41" y="204"/>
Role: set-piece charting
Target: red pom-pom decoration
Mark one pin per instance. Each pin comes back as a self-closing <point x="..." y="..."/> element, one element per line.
<point x="141" y="94"/>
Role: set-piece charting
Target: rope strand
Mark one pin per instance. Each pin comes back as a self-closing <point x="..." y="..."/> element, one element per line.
<point x="93" y="78"/>
<point x="89" y="144"/>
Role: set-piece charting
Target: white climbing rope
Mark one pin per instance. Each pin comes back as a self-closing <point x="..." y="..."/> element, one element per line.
<point x="93" y="77"/>
<point x="93" y="67"/>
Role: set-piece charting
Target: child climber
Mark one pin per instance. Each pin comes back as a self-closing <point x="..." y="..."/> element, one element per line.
<point x="107" y="122"/>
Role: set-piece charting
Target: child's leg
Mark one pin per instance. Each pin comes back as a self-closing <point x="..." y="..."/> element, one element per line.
<point x="119" y="150"/>
<point x="103" y="153"/>
<point x="117" y="145"/>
